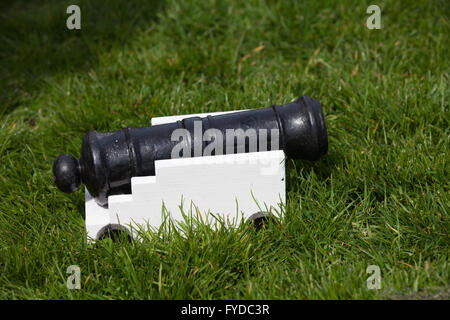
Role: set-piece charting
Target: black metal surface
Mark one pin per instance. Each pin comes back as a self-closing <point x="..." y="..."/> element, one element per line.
<point x="109" y="160"/>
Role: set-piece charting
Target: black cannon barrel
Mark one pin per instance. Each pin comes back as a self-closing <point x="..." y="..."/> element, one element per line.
<point x="109" y="160"/>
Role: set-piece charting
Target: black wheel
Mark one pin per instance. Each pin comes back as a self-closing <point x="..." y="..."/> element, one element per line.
<point x="260" y="219"/>
<point x="114" y="232"/>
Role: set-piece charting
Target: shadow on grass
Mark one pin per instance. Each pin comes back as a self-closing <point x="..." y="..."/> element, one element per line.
<point x="323" y="167"/>
<point x="36" y="43"/>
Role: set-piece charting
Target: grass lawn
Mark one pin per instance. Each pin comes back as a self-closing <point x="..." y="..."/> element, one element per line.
<point x="380" y="196"/>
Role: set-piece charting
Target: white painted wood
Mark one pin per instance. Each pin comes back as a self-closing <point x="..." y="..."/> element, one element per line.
<point x="169" y="119"/>
<point x="233" y="187"/>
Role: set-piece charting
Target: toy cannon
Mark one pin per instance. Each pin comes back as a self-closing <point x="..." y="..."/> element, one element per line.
<point x="108" y="161"/>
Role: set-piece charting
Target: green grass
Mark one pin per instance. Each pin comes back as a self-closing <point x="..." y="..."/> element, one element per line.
<point x="380" y="196"/>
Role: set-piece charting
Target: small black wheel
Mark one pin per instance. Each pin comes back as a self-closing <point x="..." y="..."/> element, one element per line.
<point x="260" y="219"/>
<point x="114" y="232"/>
